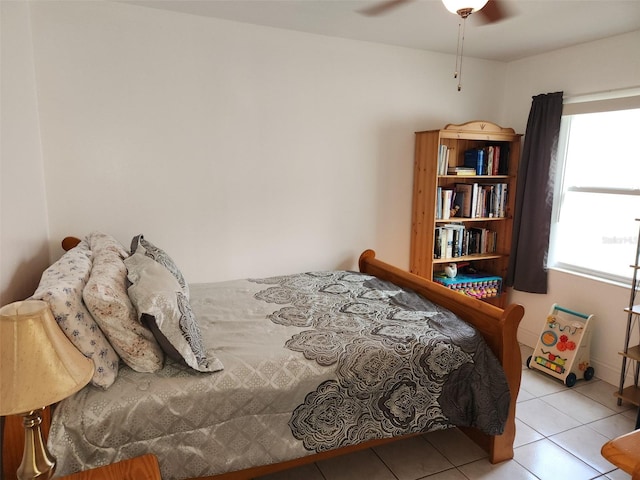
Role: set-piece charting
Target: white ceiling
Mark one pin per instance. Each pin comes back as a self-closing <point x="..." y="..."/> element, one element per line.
<point x="535" y="26"/>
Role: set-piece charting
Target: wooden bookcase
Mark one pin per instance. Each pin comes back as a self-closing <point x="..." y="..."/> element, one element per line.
<point x="429" y="181"/>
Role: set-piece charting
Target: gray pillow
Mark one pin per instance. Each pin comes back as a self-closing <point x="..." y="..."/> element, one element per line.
<point x="139" y="243"/>
<point x="164" y="308"/>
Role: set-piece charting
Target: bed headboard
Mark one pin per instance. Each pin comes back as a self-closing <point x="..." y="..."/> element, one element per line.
<point x="69" y="242"/>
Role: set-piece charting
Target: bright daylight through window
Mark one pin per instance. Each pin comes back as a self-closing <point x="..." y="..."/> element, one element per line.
<point x="597" y="191"/>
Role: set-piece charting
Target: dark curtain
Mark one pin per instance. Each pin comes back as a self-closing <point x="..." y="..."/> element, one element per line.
<point x="534" y="196"/>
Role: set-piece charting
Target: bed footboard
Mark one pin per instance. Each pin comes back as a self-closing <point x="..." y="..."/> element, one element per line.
<point x="498" y="327"/>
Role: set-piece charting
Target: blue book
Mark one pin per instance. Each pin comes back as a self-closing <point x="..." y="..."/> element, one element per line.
<point x="475" y="159"/>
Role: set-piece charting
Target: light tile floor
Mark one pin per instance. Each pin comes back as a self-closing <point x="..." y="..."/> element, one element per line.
<point x="560" y="431"/>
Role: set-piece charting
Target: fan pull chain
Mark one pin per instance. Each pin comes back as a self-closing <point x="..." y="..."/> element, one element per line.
<point x="455" y="73"/>
<point x="459" y="52"/>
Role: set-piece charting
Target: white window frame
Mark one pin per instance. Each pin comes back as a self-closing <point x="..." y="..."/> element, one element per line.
<point x="609" y="101"/>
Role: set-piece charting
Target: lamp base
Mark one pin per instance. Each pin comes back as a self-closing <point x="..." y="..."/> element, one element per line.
<point x="37" y="462"/>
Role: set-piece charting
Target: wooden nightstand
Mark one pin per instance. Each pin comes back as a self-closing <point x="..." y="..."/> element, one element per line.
<point x="139" y="468"/>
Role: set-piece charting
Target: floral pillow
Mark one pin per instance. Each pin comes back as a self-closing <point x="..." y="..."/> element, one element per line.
<point x="139" y="243"/>
<point x="61" y="287"/>
<point x="105" y="295"/>
<point x="165" y="309"/>
<point x="99" y="241"/>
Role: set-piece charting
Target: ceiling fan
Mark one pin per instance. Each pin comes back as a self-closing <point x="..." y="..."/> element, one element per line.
<point x="489" y="11"/>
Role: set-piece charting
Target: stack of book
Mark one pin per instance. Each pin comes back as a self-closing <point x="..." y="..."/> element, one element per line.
<point x="464" y="171"/>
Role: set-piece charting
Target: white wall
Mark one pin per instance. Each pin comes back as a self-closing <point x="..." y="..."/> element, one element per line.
<point x="247" y="151"/>
<point x="23" y="217"/>
<point x="609" y="64"/>
<point x="241" y="150"/>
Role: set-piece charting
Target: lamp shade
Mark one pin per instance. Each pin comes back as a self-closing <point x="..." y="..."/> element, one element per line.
<point x="39" y="366"/>
<point x="455" y="5"/>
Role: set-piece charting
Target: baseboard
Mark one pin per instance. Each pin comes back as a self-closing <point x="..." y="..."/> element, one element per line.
<point x="527" y="337"/>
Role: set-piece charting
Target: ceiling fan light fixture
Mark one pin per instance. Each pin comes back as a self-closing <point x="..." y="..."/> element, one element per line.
<point x="464" y="7"/>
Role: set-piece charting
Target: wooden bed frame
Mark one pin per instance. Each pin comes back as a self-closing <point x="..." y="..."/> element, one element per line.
<point x="498" y="326"/>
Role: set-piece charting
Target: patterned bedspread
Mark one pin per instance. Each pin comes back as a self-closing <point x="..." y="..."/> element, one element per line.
<point x="312" y="361"/>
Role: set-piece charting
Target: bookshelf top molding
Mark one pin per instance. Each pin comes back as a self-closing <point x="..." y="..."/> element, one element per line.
<point x="478" y="130"/>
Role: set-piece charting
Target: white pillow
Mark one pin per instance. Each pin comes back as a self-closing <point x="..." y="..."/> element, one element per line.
<point x="105" y="295"/>
<point x="61" y="287"/>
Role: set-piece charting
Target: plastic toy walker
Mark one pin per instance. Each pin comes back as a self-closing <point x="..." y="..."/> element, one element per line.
<point x="564" y="346"/>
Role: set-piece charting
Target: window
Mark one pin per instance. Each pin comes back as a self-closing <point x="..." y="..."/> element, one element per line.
<point x="597" y="189"/>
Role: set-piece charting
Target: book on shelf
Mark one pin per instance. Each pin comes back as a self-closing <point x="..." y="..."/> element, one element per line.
<point x="489" y="152"/>
<point x="443" y="159"/>
<point x="451" y="244"/>
<point x="462" y="171"/>
<point x="481" y="200"/>
<point x="494" y="156"/>
<point x="471" y="200"/>
<point x="475" y="188"/>
<point x="455" y="240"/>
<point x="465" y="191"/>
<point x="443" y="242"/>
<point x="488" y="160"/>
<point x="474" y="158"/>
<point x="440" y="243"/>
<point x="487" y="202"/>
<point x="496" y="160"/>
<point x="447" y="203"/>
<point x="458" y="203"/>
<point x="448" y="242"/>
<point x="499" y="159"/>
<point x="453" y="202"/>
<point x="482" y="241"/>
<point x="503" y="165"/>
<point x="502" y="200"/>
<point x="495" y="200"/>
<point x="457" y="248"/>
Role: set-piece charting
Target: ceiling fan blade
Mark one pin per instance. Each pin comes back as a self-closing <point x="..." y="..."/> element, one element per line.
<point x="494" y="11"/>
<point x="383" y="7"/>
